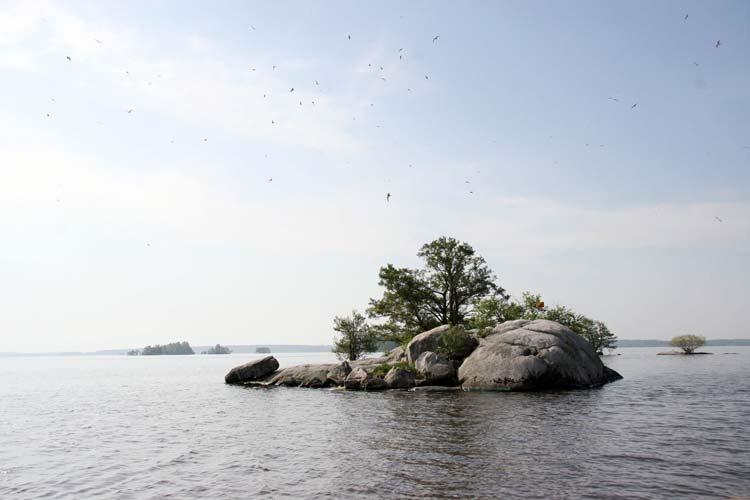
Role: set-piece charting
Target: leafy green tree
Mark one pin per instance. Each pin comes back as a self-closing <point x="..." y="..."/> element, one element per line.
<point x="688" y="343"/>
<point x="355" y="337"/>
<point x="492" y="311"/>
<point x="444" y="291"/>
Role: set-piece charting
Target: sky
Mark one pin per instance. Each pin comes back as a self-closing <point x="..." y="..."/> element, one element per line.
<point x="165" y="183"/>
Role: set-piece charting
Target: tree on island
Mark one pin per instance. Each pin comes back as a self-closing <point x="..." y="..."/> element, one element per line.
<point x="444" y="291"/>
<point x="688" y="343"/>
<point x="218" y="349"/>
<point x="167" y="349"/>
<point x="356" y="337"/>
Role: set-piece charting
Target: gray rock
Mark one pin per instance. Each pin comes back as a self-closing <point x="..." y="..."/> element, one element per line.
<point x="361" y="380"/>
<point x="426" y="341"/>
<point x="303" y="376"/>
<point x="396" y="355"/>
<point x="434" y="369"/>
<point x="254" y="370"/>
<point x="527" y="355"/>
<point x="368" y="364"/>
<point x="337" y="374"/>
<point x="398" y="378"/>
<point x="437" y="388"/>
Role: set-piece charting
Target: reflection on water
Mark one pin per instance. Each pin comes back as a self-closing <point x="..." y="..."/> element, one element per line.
<point x="120" y="427"/>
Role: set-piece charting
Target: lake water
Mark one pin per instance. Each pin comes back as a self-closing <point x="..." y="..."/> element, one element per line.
<point x="168" y="427"/>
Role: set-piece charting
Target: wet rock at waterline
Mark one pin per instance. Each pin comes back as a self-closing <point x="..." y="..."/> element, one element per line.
<point x="253" y="370"/>
<point x="533" y="355"/>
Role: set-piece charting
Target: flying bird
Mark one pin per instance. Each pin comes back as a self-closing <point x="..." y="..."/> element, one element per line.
<point x="634" y="105"/>
<point x="68" y="58"/>
<point x="381" y="68"/>
<point x="435" y="38"/>
<point x="382" y="78"/>
<point x="130" y="111"/>
<point x="316" y="82"/>
<point x="270" y="179"/>
<point x="252" y="28"/>
<point x="98" y="41"/>
<point x="686" y="16"/>
<point x="718" y="42"/>
<point x="426" y="77"/>
<point x="388" y="197"/>
<point x="400" y="56"/>
<point x="695" y="63"/>
<point x="400" y="49"/>
<point x="613" y="99"/>
<point x="273" y="68"/>
<point x="291" y="89"/>
<point x="273" y="122"/>
<point x="349" y="37"/>
<point x="718" y="219"/>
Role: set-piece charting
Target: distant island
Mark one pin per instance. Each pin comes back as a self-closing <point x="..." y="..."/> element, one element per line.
<point x="218" y="349"/>
<point x="175" y="348"/>
<point x="262" y="350"/>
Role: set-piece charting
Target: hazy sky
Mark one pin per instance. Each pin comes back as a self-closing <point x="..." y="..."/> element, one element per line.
<point x="120" y="228"/>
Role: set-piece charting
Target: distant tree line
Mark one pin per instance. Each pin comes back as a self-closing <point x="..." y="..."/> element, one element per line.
<point x="166" y="349"/>
<point x="218" y="349"/>
<point x="455" y="286"/>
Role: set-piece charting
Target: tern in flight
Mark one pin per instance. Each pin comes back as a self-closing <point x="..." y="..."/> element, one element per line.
<point x="388" y="197"/>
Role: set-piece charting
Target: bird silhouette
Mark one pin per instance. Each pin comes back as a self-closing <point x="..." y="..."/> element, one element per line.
<point x="130" y="111"/>
<point x="426" y="77"/>
<point x="316" y="82"/>
<point x="686" y="16"/>
<point x="273" y="68"/>
<point x="718" y="219"/>
<point x="273" y="122"/>
<point x="613" y="99"/>
<point x="634" y="105"/>
<point x="252" y="28"/>
<point x="400" y="57"/>
<point x="98" y="41"/>
<point x="349" y="37"/>
<point x="68" y="58"/>
<point x="388" y="197"/>
<point x="270" y="179"/>
<point x="435" y="38"/>
<point x="291" y="89"/>
<point x="718" y="42"/>
<point x="382" y="78"/>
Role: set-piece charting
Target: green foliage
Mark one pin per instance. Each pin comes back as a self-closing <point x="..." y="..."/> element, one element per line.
<point x="456" y="343"/>
<point x="444" y="291"/>
<point x="355" y="337"/>
<point x="688" y="343"/>
<point x="492" y="311"/>
<point x="134" y="352"/>
<point x="218" y="349"/>
<point x="383" y="369"/>
<point x="167" y="349"/>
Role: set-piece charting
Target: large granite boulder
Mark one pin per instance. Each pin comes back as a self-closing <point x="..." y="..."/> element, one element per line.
<point x="434" y="370"/>
<point x="303" y="376"/>
<point x="426" y="341"/>
<point x="398" y="378"/>
<point x="360" y="380"/>
<point x="254" y="370"/>
<point x="527" y="355"/>
<point x="337" y="374"/>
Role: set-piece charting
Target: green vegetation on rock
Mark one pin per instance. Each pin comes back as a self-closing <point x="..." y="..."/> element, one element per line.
<point x="382" y="369"/>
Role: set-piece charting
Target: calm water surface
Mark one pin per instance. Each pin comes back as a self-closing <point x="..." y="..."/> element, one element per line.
<point x="168" y="427"/>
